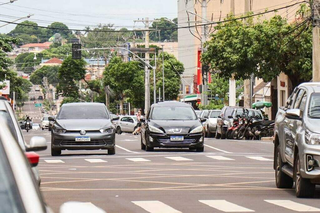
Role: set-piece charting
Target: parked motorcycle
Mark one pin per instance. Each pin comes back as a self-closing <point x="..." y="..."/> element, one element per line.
<point x="232" y="132"/>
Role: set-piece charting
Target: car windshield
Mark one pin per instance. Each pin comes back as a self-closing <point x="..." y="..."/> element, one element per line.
<point x="314" y="106"/>
<point x="198" y="112"/>
<point x="215" y="114"/>
<point x="173" y="113"/>
<point x="83" y="112"/>
<point x="10" y="123"/>
<point x="10" y="200"/>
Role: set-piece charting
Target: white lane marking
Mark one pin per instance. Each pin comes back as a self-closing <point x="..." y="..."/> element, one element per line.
<point x="138" y="159"/>
<point x="259" y="158"/>
<point x="225" y="206"/>
<point x="179" y="158"/>
<point x="127" y="150"/>
<point x="155" y="207"/>
<point x="95" y="160"/>
<point x="82" y="207"/>
<point x="298" y="207"/>
<point x="54" y="161"/>
<point x="220" y="150"/>
<point x="219" y="158"/>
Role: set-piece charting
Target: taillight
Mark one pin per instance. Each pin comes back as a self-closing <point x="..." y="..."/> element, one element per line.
<point x="33" y="158"/>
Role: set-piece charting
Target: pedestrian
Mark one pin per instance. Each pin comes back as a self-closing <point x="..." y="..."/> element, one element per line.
<point x="138" y="129"/>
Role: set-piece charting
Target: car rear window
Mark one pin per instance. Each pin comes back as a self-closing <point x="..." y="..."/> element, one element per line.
<point x="83" y="112"/>
<point x="215" y="114"/>
<point x="10" y="200"/>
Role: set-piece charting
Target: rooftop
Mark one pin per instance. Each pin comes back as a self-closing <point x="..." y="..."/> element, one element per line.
<point x="53" y="61"/>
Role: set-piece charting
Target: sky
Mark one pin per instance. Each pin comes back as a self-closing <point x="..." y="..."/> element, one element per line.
<point x="78" y="14"/>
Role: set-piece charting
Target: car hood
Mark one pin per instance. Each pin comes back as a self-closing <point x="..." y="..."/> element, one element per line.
<point x="84" y="124"/>
<point x="175" y="126"/>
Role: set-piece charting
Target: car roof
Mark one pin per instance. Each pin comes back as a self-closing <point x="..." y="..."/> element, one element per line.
<point x="83" y="104"/>
<point x="311" y="86"/>
<point x="171" y="103"/>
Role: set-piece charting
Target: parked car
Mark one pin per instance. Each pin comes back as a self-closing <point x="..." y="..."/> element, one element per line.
<point x="198" y="113"/>
<point x="297" y="141"/>
<point x="45" y="122"/>
<point x="225" y="120"/>
<point x="210" y="125"/>
<point x="36" y="143"/>
<point x="127" y="123"/>
<point x="172" y="124"/>
<point x="82" y="126"/>
<point x="19" y="190"/>
<point x="40" y="97"/>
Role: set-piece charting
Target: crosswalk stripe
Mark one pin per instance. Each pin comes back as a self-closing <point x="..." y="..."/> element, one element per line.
<point x="95" y="160"/>
<point x="54" y="161"/>
<point x="220" y="158"/>
<point x="138" y="159"/>
<point x="179" y="158"/>
<point x="260" y="158"/>
<point x="155" y="207"/>
<point x="225" y="206"/>
<point x="298" y="207"/>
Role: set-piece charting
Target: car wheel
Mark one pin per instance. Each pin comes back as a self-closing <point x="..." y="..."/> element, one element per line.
<point x="218" y="135"/>
<point x="223" y="136"/>
<point x="200" y="149"/>
<point x="119" y="130"/>
<point x="55" y="152"/>
<point x="229" y="134"/>
<point x="112" y="151"/>
<point x="143" y="147"/>
<point x="282" y="180"/>
<point x="303" y="187"/>
<point x="149" y="148"/>
<point x="209" y="134"/>
<point x="42" y="128"/>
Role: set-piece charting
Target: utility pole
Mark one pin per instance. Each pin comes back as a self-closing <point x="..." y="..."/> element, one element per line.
<point x="316" y="41"/>
<point x="163" y="93"/>
<point x="146" y="23"/>
<point x="204" y="95"/>
<point x="232" y="81"/>
<point x="247" y="92"/>
<point x="154" y="80"/>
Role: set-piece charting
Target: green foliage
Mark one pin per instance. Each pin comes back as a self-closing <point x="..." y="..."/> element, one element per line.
<point x="61" y="28"/>
<point x="25" y="62"/>
<point x="51" y="72"/>
<point x="169" y="32"/>
<point x="69" y="75"/>
<point x="5" y="62"/>
<point x="70" y="100"/>
<point x="265" y="48"/>
<point x="29" y="34"/>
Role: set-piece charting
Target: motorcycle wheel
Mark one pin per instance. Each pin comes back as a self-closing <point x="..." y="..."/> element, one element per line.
<point x="241" y="133"/>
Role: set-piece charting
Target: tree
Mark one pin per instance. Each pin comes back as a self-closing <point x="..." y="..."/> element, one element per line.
<point x="124" y="78"/>
<point x="27" y="63"/>
<point x="59" y="28"/>
<point x="69" y="74"/>
<point x="168" y="30"/>
<point x="265" y="48"/>
<point x="51" y="72"/>
<point x="29" y="32"/>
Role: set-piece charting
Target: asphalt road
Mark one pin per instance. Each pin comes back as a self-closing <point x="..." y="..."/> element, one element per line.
<point x="229" y="176"/>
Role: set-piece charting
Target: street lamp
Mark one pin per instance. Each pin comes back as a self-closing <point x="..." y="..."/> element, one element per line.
<point x="16" y="20"/>
<point x="163" y="93"/>
<point x="11" y="1"/>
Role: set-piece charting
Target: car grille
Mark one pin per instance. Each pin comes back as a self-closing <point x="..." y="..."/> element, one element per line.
<point x="87" y="143"/>
<point x="186" y="140"/>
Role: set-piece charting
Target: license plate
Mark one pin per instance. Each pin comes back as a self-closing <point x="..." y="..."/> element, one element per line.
<point x="176" y="138"/>
<point x="83" y="138"/>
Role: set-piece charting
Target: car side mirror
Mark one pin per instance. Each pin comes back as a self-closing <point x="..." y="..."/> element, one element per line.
<point x="203" y="120"/>
<point x="293" y="113"/>
<point x="70" y="207"/>
<point x="51" y="118"/>
<point x="37" y="144"/>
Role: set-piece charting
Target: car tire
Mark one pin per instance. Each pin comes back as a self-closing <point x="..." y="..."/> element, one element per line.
<point x="209" y="134"/>
<point x="223" y="136"/>
<point x="55" y="152"/>
<point x="149" y="148"/>
<point x="119" y="130"/>
<point x="282" y="180"/>
<point x="143" y="147"/>
<point x="218" y="135"/>
<point x="42" y="128"/>
<point x="229" y="134"/>
<point x="303" y="187"/>
<point x="200" y="149"/>
<point x="112" y="151"/>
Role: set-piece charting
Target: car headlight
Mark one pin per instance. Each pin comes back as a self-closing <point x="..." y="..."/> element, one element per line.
<point x="59" y="129"/>
<point x="155" y="129"/>
<point x="312" y="138"/>
<point x="107" y="130"/>
<point x="197" y="129"/>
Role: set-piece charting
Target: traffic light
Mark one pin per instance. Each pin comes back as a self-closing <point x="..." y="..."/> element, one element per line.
<point x="76" y="51"/>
